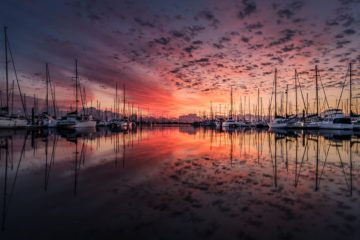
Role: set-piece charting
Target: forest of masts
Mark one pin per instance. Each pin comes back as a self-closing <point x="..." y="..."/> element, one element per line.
<point x="253" y="108"/>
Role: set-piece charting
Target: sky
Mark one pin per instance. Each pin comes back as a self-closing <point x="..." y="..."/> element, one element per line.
<point x="175" y="57"/>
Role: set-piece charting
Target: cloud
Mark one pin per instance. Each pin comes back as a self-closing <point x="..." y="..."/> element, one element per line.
<point x="289" y="10"/>
<point x="208" y="16"/>
<point x="286" y="36"/>
<point x="349" y="31"/>
<point x="161" y="49"/>
<point x="248" y="8"/>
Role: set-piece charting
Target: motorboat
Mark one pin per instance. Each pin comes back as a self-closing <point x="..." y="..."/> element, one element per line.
<point x="231" y="123"/>
<point x="73" y="120"/>
<point x="335" y="119"/>
<point x="117" y="123"/>
<point x="13" y="122"/>
<point x="279" y="122"/>
<point x="356" y="125"/>
<point x="46" y="120"/>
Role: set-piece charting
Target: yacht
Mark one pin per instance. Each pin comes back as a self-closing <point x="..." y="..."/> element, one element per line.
<point x="117" y="123"/>
<point x="7" y="119"/>
<point x="219" y="122"/>
<point x="295" y="123"/>
<point x="279" y="122"/>
<point x="208" y="123"/>
<point x="356" y="125"/>
<point x="312" y="122"/>
<point x="231" y="123"/>
<point x="46" y="120"/>
<point x="13" y="122"/>
<point x="73" y="120"/>
<point x="261" y="124"/>
<point x="101" y="123"/>
<point x="355" y="118"/>
<point x="335" y="119"/>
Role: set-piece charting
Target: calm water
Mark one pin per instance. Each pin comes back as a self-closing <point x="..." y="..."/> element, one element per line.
<point x="180" y="183"/>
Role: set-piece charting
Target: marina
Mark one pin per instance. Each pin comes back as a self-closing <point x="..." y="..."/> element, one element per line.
<point x="185" y="119"/>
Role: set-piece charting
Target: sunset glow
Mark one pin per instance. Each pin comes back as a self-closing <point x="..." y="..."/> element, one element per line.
<point x="176" y="56"/>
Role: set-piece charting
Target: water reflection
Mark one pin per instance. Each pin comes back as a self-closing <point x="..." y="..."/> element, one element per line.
<point x="250" y="178"/>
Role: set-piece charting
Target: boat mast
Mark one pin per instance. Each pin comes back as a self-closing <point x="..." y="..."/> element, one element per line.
<point x="116" y="101"/>
<point x="286" y="104"/>
<point x="258" y="105"/>
<point x="296" y="95"/>
<point x="261" y="111"/>
<point x="249" y="108"/>
<point x="47" y="87"/>
<point x="52" y="91"/>
<point x="350" y="100"/>
<point x="76" y="87"/>
<point x="8" y="50"/>
<point x="6" y="70"/>
<point x="54" y="101"/>
<point x="316" y="89"/>
<point x="124" y="101"/>
<point x="275" y="92"/>
<point x="12" y="97"/>
<point x="231" y="102"/>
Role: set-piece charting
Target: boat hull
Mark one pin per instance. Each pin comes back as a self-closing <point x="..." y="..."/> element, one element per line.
<point x="336" y="126"/>
<point x="76" y="124"/>
<point x="85" y="124"/>
<point x="13" y="123"/>
<point x="278" y="125"/>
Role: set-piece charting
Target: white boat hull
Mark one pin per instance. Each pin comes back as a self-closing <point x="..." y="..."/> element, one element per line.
<point x="232" y="124"/>
<point x="13" y="123"/>
<point x="336" y="126"/>
<point x="76" y="124"/>
<point x="123" y="125"/>
<point x="278" y="125"/>
<point x="51" y="123"/>
<point x="85" y="124"/>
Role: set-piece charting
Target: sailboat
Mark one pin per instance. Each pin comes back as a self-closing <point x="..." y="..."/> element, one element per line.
<point x="355" y="117"/>
<point x="230" y="122"/>
<point x="209" y="122"/>
<point x="313" y="121"/>
<point x="8" y="120"/>
<point x="73" y="120"/>
<point x="356" y="124"/>
<point x="45" y="119"/>
<point x="335" y="118"/>
<point x="260" y="123"/>
<point x="278" y="121"/>
<point x="118" y="123"/>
